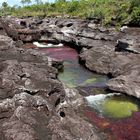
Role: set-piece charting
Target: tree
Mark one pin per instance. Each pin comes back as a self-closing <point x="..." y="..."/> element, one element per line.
<point x="25" y="1"/>
<point x="5" y="8"/>
<point x="61" y="1"/>
<point x="38" y="1"/>
<point x="4" y="5"/>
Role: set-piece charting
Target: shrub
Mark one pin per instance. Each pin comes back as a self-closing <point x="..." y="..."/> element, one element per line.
<point x="117" y="11"/>
<point x="135" y="16"/>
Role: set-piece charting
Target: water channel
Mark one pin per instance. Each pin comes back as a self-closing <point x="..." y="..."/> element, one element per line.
<point x="112" y="113"/>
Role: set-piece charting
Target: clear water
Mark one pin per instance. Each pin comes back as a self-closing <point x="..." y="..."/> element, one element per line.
<point x="113" y="105"/>
<point x="116" y="115"/>
<point x="74" y="75"/>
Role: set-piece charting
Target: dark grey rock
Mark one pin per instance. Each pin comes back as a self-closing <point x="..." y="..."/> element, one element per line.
<point x="34" y="104"/>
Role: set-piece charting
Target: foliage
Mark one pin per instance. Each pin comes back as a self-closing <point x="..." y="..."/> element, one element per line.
<point x="135" y="12"/>
<point x="25" y="1"/>
<point x="107" y="11"/>
<point x="4" y="4"/>
<point x="135" y="16"/>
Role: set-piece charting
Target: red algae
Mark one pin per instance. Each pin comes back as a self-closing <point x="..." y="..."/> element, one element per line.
<point x="122" y="129"/>
<point x="64" y="53"/>
<point x="119" y="129"/>
<point x="74" y="75"/>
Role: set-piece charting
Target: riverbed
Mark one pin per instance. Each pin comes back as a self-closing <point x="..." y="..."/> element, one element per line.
<point x="112" y="113"/>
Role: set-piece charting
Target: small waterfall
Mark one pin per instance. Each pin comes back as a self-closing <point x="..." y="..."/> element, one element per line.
<point x="113" y="105"/>
<point x="96" y="101"/>
<point x="40" y="45"/>
<point x="113" y="112"/>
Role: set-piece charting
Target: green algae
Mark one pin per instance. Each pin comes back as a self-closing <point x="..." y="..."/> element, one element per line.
<point x="88" y="81"/>
<point x="67" y="63"/>
<point x="113" y="105"/>
<point x="73" y="78"/>
<point x="119" y="107"/>
<point x="68" y="78"/>
<point x="96" y="91"/>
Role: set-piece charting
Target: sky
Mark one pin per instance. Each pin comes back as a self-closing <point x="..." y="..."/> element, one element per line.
<point x="17" y="2"/>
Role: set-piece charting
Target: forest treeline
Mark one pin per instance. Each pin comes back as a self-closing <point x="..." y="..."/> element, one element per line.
<point x="116" y="12"/>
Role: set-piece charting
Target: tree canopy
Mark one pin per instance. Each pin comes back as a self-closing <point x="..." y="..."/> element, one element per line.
<point x="25" y="1"/>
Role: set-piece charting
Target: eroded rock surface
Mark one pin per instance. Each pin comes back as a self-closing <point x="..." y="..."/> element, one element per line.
<point x="34" y="105"/>
<point x="122" y="63"/>
<point x="103" y="50"/>
<point x="28" y="82"/>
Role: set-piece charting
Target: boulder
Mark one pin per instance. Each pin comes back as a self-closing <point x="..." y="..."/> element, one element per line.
<point x="128" y="83"/>
<point x="27" y="35"/>
<point x="99" y="57"/>
<point x="128" y="45"/>
<point x="129" y="41"/>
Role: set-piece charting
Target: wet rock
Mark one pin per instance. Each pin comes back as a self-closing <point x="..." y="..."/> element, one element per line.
<point x="58" y="64"/>
<point x="123" y="66"/>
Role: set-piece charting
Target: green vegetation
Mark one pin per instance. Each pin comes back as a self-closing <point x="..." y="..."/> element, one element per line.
<point x="68" y="78"/>
<point x="119" y="107"/>
<point x="106" y="11"/>
<point x="88" y="81"/>
<point x="113" y="106"/>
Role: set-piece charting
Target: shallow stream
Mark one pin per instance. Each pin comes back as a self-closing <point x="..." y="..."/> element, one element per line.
<point x="114" y="114"/>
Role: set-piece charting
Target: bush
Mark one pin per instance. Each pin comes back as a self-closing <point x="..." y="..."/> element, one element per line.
<point x="135" y="16"/>
<point x="73" y="6"/>
<point x="107" y="11"/>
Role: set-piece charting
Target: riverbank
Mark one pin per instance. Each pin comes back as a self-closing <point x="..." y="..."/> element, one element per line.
<point x="102" y="50"/>
<point x="28" y="74"/>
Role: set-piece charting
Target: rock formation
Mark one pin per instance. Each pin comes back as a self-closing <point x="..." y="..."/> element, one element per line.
<point x="34" y="105"/>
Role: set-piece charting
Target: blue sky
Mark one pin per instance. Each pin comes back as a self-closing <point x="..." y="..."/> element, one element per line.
<point x="17" y="2"/>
